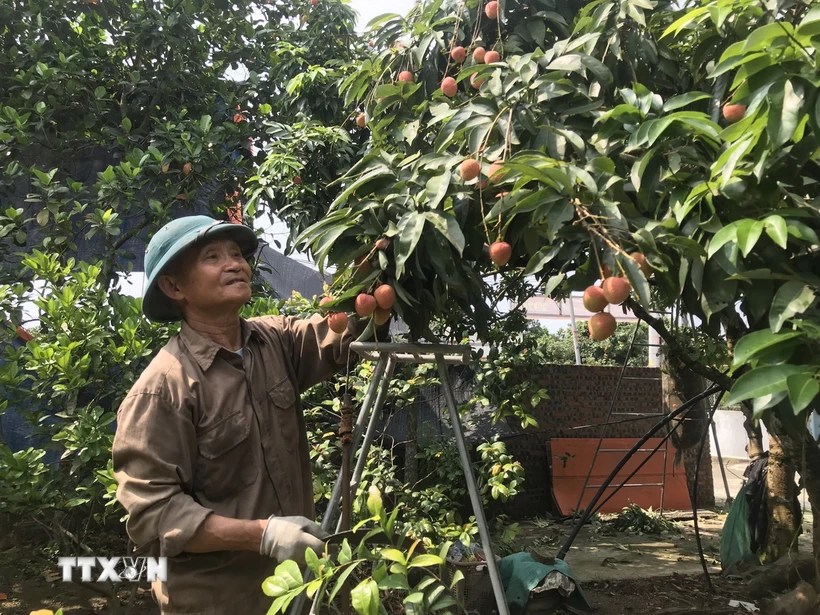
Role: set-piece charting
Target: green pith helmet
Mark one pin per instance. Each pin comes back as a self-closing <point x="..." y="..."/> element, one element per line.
<point x="170" y="242"/>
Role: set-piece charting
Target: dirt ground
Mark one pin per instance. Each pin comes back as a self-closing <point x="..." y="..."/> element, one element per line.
<point x="620" y="573"/>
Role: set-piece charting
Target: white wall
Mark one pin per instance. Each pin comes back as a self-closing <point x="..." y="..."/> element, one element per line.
<point x="732" y="436"/>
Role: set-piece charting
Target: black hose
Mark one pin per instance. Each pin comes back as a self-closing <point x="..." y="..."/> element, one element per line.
<point x="642" y="464"/>
<point x="695" y="496"/>
<point x="605" y="485"/>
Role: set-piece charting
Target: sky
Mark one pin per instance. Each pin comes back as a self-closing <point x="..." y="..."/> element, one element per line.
<point x="368" y="9"/>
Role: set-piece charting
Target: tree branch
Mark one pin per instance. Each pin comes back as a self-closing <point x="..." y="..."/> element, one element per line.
<point x="676" y="349"/>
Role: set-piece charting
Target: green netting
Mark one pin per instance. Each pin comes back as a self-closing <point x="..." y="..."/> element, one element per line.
<point x="735" y="539"/>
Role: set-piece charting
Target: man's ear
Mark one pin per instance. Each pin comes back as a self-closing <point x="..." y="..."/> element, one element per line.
<point x="168" y="285"/>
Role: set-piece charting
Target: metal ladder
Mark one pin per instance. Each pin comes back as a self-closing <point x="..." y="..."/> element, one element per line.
<point x="387" y="355"/>
<point x="664" y="451"/>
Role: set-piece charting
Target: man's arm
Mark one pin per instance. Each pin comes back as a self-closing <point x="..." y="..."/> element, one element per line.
<point x="153" y="464"/>
<point x="315" y="351"/>
<point x="218" y="533"/>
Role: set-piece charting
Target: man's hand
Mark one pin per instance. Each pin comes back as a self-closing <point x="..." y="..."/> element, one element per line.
<point x="287" y="538"/>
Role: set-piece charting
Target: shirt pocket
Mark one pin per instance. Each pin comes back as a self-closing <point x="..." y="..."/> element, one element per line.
<point x="285" y="422"/>
<point x="226" y="464"/>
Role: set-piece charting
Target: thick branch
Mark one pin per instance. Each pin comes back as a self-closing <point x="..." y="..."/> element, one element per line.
<point x="676" y="349"/>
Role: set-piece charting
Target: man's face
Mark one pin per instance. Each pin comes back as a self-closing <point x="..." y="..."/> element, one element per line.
<point x="210" y="279"/>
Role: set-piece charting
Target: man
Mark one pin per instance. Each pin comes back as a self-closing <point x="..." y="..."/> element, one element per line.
<point x="211" y="451"/>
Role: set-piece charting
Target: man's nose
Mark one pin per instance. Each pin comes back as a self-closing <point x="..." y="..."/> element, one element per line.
<point x="232" y="264"/>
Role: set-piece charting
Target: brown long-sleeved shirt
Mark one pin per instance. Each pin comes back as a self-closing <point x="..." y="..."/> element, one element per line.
<point x="206" y="430"/>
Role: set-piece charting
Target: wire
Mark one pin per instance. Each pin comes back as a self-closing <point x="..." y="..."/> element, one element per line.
<point x="706" y="433"/>
<point x="605" y="485"/>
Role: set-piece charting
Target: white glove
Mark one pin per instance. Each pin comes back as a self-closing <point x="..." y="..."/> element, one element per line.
<point x="287" y="538"/>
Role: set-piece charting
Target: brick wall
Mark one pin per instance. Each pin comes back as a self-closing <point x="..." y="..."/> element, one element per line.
<point x="579" y="401"/>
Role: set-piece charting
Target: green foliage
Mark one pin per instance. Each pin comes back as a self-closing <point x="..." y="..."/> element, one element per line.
<point x="398" y="572"/>
<point x="27" y="486"/>
<point x="635" y="520"/>
<point x="557" y="347"/>
<point x="68" y="380"/>
<point x="164" y="103"/>
<point x="605" y="119"/>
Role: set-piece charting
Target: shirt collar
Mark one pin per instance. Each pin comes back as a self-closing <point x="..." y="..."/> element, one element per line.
<point x="204" y="349"/>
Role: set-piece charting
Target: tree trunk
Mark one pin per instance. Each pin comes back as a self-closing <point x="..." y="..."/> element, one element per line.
<point x="411" y="462"/>
<point x="679" y="384"/>
<point x="755" y="434"/>
<point x="782" y="532"/>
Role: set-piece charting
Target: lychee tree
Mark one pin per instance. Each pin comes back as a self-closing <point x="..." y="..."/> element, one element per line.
<point x="672" y="148"/>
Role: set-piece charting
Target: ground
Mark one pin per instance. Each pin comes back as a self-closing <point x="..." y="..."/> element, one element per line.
<point x="620" y="573"/>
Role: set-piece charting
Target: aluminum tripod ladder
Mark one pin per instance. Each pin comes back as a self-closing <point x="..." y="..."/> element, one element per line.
<point x="387" y="355"/>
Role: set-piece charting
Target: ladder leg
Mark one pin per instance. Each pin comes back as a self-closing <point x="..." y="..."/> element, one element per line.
<point x="483" y="529"/>
<point x="371" y="397"/>
<point x="371" y="426"/>
<point x="720" y="461"/>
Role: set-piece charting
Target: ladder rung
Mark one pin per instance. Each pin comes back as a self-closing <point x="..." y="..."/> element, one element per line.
<point x="628" y="485"/>
<point x="637" y="414"/>
<point x="639" y="378"/>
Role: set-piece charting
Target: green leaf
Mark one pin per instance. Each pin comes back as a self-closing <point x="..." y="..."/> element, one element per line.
<point x="374" y="502"/>
<point x="312" y="560"/>
<point x="341" y="580"/>
<point x="410" y="227"/>
<point x="688" y="17"/>
<point x="437" y="188"/>
<point x="424" y="560"/>
<point x="639" y="168"/>
<point x="345" y="552"/>
<point x="275" y="586"/>
<point x="579" y="62"/>
<point x="637" y="280"/>
<point x="365" y="597"/>
<point x="447" y="225"/>
<point x="760" y="382"/>
<point x="457" y="576"/>
<point x="684" y="100"/>
<point x="748" y="232"/>
<point x="792" y="298"/>
<point x="289" y="572"/>
<point x="553" y="283"/>
<point x="776" y="229"/>
<point x="722" y="237"/>
<point x="381" y="170"/>
<point x="784" y="113"/>
<point x="540" y="259"/>
<point x="802" y="231"/>
<point x="205" y="122"/>
<point x="810" y="26"/>
<point x="752" y="343"/>
<point x="803" y="388"/>
<point x="394" y="555"/>
<point x="394" y="581"/>
<point x="726" y="163"/>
